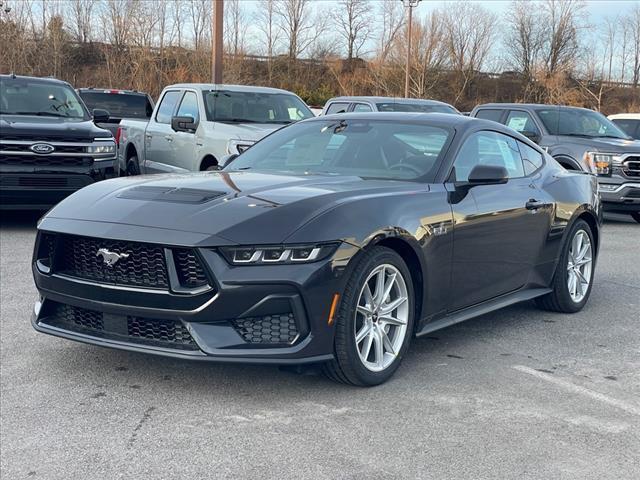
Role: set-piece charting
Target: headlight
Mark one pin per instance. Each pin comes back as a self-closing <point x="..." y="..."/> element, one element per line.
<point x="282" y="254"/>
<point x="600" y="163"/>
<point x="104" y="148"/>
<point x="238" y="146"/>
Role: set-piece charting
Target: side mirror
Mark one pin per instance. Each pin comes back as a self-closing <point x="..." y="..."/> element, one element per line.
<point x="100" y="115"/>
<point x="183" y="124"/>
<point x="488" y="175"/>
<point x="227" y="159"/>
<point x="533" y="136"/>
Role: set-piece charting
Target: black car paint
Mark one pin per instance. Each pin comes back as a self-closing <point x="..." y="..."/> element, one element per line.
<point x="34" y="128"/>
<point x="471" y="249"/>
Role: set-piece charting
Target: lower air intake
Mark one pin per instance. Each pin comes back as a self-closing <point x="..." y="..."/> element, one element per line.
<point x="267" y="329"/>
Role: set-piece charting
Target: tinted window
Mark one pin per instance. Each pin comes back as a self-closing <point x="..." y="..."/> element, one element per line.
<point x="493" y="115"/>
<point x="488" y="148"/>
<point x="531" y="158"/>
<point x="20" y="96"/>
<point x="521" y="122"/>
<point x="189" y="106"/>
<point x="119" y="105"/>
<point x="578" y="122"/>
<point x="254" y="107"/>
<point x="631" y="127"/>
<point x="337" y="107"/>
<point x="362" y="107"/>
<point x="365" y="148"/>
<point x="416" y="107"/>
<point x="167" y="106"/>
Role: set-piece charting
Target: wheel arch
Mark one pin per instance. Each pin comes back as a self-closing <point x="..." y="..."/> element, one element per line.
<point x="208" y="161"/>
<point x="568" y="163"/>
<point x="130" y="151"/>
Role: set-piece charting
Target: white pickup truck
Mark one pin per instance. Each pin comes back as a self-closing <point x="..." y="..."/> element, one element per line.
<point x="196" y="126"/>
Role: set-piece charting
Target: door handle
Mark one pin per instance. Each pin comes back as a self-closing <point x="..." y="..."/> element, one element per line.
<point x="534" y="204"/>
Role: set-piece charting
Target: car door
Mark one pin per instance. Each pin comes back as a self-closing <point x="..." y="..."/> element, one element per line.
<point x="185" y="144"/>
<point x="159" y="152"/>
<point x="499" y="229"/>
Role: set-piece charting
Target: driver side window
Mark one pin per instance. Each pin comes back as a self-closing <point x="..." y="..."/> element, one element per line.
<point x="488" y="148"/>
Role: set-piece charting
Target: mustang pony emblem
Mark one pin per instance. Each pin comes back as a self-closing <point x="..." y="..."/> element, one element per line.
<point x="110" y="258"/>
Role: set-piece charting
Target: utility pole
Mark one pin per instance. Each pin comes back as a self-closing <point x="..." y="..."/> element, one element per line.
<point x="410" y="5"/>
<point x="217" y="23"/>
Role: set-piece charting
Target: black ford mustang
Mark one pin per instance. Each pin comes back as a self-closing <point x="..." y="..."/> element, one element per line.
<point x="333" y="240"/>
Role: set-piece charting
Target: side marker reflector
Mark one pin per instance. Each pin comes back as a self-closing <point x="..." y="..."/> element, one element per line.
<point x="334" y="306"/>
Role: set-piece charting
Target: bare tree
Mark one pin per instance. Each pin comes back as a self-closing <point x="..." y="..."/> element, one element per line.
<point x="298" y="26"/>
<point x="428" y="54"/>
<point x="524" y="37"/>
<point x="81" y="13"/>
<point x="200" y="16"/>
<point x="116" y="19"/>
<point x="469" y="31"/>
<point x="352" y="20"/>
<point x="392" y="20"/>
<point x="563" y="20"/>
<point x="633" y="20"/>
<point x="235" y="26"/>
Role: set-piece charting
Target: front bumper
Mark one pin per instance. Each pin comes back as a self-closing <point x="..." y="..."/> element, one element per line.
<point x="620" y="197"/>
<point x="247" y="317"/>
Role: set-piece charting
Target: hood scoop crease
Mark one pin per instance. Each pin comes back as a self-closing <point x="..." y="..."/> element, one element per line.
<point x="171" y="194"/>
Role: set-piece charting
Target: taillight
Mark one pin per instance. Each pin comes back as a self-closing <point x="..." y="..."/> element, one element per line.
<point x="117" y="138"/>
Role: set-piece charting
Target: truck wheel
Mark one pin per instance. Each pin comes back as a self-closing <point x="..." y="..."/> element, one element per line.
<point x="636" y="216"/>
<point x="133" y="168"/>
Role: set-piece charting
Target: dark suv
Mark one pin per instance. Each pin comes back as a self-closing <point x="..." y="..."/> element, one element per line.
<point x="579" y="139"/>
<point x="49" y="144"/>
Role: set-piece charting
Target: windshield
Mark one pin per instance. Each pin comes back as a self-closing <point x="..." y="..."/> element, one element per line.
<point x="119" y="105"/>
<point x="579" y="123"/>
<point x="252" y="107"/>
<point x="366" y="148"/>
<point x="19" y="96"/>
<point x="416" y="107"/>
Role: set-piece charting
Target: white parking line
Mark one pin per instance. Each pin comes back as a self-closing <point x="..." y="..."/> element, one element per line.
<point x="580" y="390"/>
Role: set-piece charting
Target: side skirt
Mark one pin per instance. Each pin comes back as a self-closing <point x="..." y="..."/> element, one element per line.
<point x="482" y="308"/>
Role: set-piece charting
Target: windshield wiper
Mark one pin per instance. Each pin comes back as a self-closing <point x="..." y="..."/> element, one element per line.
<point x="235" y="120"/>
<point x="42" y="114"/>
<point x="582" y="135"/>
<point x="612" y="136"/>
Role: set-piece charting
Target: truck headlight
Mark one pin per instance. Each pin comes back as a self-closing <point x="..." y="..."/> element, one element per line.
<point x="104" y="148"/>
<point x="600" y="163"/>
<point x="282" y="254"/>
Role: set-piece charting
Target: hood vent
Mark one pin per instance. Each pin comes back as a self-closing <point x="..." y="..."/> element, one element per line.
<point x="171" y="194"/>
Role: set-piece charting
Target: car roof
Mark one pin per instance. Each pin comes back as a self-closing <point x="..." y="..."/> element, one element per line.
<point x="231" y="88"/>
<point x="109" y="90"/>
<point x="528" y="105"/>
<point x="416" y="101"/>
<point x="435" y="119"/>
<point x="625" y="116"/>
<point x="34" y="79"/>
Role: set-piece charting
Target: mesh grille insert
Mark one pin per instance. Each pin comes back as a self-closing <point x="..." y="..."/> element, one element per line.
<point x="268" y="329"/>
<point x="189" y="269"/>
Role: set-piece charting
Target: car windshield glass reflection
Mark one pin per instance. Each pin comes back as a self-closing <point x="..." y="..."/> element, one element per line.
<point x="366" y="148"/>
<point x="579" y="123"/>
<point x="21" y="97"/>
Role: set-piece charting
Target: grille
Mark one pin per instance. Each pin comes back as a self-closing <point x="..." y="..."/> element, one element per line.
<point x="190" y="271"/>
<point x="633" y="193"/>
<point x="44" y="160"/>
<point x="631" y="167"/>
<point x="45" y="138"/>
<point x="159" y="330"/>
<point x="144" y="266"/>
<point x="44" y="181"/>
<point x="164" y="333"/>
<point x="268" y="329"/>
<point x="19" y="147"/>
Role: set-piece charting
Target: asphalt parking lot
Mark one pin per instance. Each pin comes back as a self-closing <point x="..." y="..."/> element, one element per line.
<point x="518" y="393"/>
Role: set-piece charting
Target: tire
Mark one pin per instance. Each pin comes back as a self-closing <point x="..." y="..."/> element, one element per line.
<point x="562" y="299"/>
<point x="636" y="216"/>
<point x="396" y="324"/>
<point x="133" y="167"/>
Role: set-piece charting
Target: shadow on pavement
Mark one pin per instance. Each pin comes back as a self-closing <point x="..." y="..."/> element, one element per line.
<point x="20" y="219"/>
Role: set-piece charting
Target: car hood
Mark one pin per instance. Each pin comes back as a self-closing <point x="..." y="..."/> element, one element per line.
<point x="249" y="131"/>
<point x="31" y="127"/>
<point x="606" y="145"/>
<point x="222" y="207"/>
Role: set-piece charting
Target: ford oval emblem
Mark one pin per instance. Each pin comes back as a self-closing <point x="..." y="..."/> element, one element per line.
<point x="42" y="148"/>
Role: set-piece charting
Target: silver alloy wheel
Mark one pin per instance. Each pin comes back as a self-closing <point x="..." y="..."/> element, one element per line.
<point x="579" y="266"/>
<point x="381" y="317"/>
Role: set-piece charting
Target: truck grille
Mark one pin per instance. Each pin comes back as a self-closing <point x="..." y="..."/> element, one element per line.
<point x="140" y="264"/>
<point x="631" y="166"/>
<point x="163" y="333"/>
<point x="44" y="160"/>
<point x="44" y="138"/>
<point x="22" y="147"/>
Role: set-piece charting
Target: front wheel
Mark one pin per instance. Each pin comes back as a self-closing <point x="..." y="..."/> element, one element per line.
<point x="375" y="320"/>
<point x="573" y="278"/>
<point x="636" y="216"/>
<point x="133" y="167"/>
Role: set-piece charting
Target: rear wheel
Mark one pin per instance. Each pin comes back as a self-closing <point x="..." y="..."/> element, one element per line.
<point x="573" y="279"/>
<point x="133" y="168"/>
<point x="636" y="216"/>
<point x="375" y="320"/>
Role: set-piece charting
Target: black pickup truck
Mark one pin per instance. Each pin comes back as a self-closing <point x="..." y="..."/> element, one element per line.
<point x="49" y="143"/>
